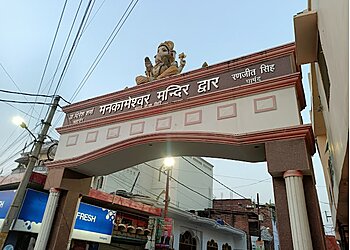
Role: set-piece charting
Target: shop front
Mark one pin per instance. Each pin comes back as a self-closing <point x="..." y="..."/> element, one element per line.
<point x="93" y="225"/>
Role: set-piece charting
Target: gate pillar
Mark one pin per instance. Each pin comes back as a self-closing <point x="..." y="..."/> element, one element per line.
<point x="299" y="220"/>
<point x="72" y="186"/>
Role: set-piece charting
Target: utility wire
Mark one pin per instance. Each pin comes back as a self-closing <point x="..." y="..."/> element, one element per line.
<point x="129" y="184"/>
<point x="75" y="43"/>
<point x="190" y="189"/>
<point x="100" y="54"/>
<point x="98" y="9"/>
<point x="23" y="112"/>
<point x="235" y="177"/>
<point x="252" y="184"/>
<point x="51" y="49"/>
<point x="247" y="185"/>
<point x="214" y="178"/>
<point x="105" y="47"/>
<point x="23" y="93"/>
<point x="25" y="102"/>
<point x="64" y="47"/>
<point x="19" y="138"/>
<point x="8" y="75"/>
<point x="137" y="185"/>
<point x="7" y="163"/>
<point x="61" y="56"/>
<point x="18" y="141"/>
<point x="52" y="45"/>
<point x="180" y="183"/>
<point x="177" y="191"/>
<point x="72" y="52"/>
<point x="16" y="152"/>
<point x="16" y="85"/>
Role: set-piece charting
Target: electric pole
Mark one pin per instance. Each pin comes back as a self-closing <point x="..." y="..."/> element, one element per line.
<point x="166" y="205"/>
<point x="13" y="211"/>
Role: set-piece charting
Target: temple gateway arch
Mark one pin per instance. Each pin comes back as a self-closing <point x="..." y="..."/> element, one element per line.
<point x="245" y="109"/>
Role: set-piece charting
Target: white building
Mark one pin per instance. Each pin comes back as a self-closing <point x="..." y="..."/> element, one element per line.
<point x="190" y="186"/>
<point x="204" y="232"/>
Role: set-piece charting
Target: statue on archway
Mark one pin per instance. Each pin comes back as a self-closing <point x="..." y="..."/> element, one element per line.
<point x="165" y="64"/>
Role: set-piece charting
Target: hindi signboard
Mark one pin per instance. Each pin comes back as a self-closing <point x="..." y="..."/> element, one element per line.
<point x="251" y="74"/>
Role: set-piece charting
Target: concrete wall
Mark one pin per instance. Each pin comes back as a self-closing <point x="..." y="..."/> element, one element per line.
<point x="333" y="28"/>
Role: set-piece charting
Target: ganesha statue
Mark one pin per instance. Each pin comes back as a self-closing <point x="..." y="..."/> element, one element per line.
<point x="165" y="64"/>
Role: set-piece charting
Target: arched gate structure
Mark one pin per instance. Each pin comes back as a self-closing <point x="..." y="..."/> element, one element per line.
<point x="244" y="109"/>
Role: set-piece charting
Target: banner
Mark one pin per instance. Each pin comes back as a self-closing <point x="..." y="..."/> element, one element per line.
<point x="92" y="223"/>
<point x="164" y="234"/>
<point x="32" y="211"/>
<point x="6" y="198"/>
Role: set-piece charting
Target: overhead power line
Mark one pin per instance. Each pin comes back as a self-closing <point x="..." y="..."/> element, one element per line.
<point x="72" y="50"/>
<point x="52" y="45"/>
<point x="13" y="154"/>
<point x="181" y="183"/>
<point x="9" y="76"/>
<point x="20" y="91"/>
<point x="24" y="94"/>
<point x="25" y="102"/>
<point x="49" y="55"/>
<point x="61" y="56"/>
<point x="98" y="9"/>
<point x="23" y="112"/>
<point x="252" y="184"/>
<point x="64" y="48"/>
<point x="214" y="179"/>
<point x="98" y="58"/>
<point x="81" y="29"/>
<point x="105" y="47"/>
<point x="75" y="43"/>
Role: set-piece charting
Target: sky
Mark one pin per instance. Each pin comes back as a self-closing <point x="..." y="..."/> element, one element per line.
<point x="206" y="31"/>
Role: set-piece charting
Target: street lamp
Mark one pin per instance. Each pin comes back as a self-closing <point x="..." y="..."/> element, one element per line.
<point x="19" y="121"/>
<point x="168" y="163"/>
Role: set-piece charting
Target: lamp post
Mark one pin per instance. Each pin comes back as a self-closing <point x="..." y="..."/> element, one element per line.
<point x="13" y="211"/>
<point x="168" y="163"/>
<point x="17" y="120"/>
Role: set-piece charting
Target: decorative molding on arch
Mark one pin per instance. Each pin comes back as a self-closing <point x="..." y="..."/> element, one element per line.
<point x="264" y="104"/>
<point x="163" y="123"/>
<point x="72" y="140"/>
<point x="192" y="118"/>
<point x="91" y="137"/>
<point x="113" y="132"/>
<point x="226" y="111"/>
<point x="137" y="128"/>
<point x="298" y="132"/>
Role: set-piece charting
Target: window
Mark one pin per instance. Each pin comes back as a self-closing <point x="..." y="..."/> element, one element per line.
<point x="212" y="245"/>
<point x="324" y="72"/>
<point x="187" y="242"/>
<point x="226" y="247"/>
<point x="99" y="182"/>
